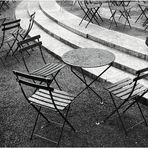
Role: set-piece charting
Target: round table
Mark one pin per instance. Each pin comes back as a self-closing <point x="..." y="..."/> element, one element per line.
<point x="88" y="57"/>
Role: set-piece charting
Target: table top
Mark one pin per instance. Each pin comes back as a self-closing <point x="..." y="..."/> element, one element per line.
<point x="88" y="57"/>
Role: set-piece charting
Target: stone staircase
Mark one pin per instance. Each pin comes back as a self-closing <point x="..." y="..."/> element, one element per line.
<point x="60" y="33"/>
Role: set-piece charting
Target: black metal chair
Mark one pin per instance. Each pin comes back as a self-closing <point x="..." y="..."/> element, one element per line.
<point x="7" y="38"/>
<point x="47" y="69"/>
<point x="122" y="8"/>
<point x="90" y="10"/>
<point x="143" y="8"/>
<point x="24" y="33"/>
<point x="129" y="92"/>
<point x="45" y="97"/>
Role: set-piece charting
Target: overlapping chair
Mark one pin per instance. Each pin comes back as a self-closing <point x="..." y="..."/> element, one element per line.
<point x="129" y="92"/>
<point x="7" y="38"/>
<point x="23" y="34"/>
<point x="4" y="4"/>
<point x="91" y="11"/>
<point x="143" y="8"/>
<point x="47" y="69"/>
<point x="45" y="97"/>
<point x="124" y="11"/>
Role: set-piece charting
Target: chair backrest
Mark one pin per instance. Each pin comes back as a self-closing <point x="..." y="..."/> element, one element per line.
<point x="36" y="82"/>
<point x="7" y="28"/>
<point x="28" y="44"/>
<point x="11" y="25"/>
<point x="31" y="22"/>
<point x="141" y="74"/>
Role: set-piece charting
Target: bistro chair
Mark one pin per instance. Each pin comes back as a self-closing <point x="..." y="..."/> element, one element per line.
<point x="143" y="8"/>
<point x="129" y="92"/>
<point x="90" y="11"/>
<point x="23" y="34"/>
<point x="4" y="4"/>
<point x="7" y="38"/>
<point x="47" y="69"/>
<point x="124" y="11"/>
<point x="45" y="97"/>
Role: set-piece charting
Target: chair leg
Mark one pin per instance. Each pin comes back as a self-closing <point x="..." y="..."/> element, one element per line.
<point x="142" y="114"/>
<point x="40" y="113"/>
<point x="129" y="106"/>
<point x="119" y="114"/>
<point x="54" y="78"/>
<point x="63" y="126"/>
<point x="35" y="124"/>
<point x="116" y="110"/>
<point x="66" y="119"/>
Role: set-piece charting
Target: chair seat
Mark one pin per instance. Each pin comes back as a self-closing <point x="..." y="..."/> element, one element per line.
<point x="21" y="31"/>
<point x="43" y="98"/>
<point x="8" y="38"/>
<point x="124" y="87"/>
<point x="48" y="69"/>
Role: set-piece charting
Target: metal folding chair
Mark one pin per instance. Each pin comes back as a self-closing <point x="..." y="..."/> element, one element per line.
<point x="23" y="34"/>
<point x="47" y="69"/>
<point x="45" y="97"/>
<point x="7" y="38"/>
<point x="90" y="11"/>
<point x="143" y="7"/>
<point x="93" y="9"/>
<point x="3" y="4"/>
<point x="124" y="11"/>
<point x="130" y="92"/>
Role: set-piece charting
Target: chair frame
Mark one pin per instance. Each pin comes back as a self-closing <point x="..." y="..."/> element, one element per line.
<point x="38" y="44"/>
<point x="9" y="26"/>
<point x="90" y="10"/>
<point x="127" y="90"/>
<point x="31" y="81"/>
<point x="24" y="33"/>
<point x="124" y="13"/>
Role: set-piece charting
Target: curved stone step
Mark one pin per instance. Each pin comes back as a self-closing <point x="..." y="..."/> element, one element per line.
<point x="76" y="41"/>
<point x="125" y="43"/>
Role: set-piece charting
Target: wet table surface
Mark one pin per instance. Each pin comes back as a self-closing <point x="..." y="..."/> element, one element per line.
<point x="88" y="57"/>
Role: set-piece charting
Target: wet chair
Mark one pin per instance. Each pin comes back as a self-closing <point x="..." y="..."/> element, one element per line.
<point x="45" y="97"/>
<point x="24" y="33"/>
<point x="123" y="9"/>
<point x="91" y="11"/>
<point x="129" y="92"/>
<point x="46" y="69"/>
<point x="7" y="38"/>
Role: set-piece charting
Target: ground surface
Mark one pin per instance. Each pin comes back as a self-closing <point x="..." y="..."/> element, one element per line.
<point x="17" y="117"/>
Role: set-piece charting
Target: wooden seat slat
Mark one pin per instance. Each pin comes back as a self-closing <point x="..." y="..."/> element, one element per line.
<point x="128" y="91"/>
<point x="117" y="83"/>
<point x="135" y="93"/>
<point x="121" y="85"/>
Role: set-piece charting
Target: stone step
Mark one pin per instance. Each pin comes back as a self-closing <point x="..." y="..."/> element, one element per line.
<point x="58" y="48"/>
<point x="76" y="41"/>
<point x="125" y="43"/>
